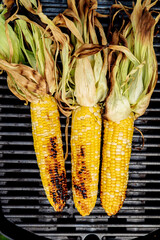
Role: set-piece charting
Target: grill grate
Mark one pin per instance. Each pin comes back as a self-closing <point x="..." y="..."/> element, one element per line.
<point x="23" y="200"/>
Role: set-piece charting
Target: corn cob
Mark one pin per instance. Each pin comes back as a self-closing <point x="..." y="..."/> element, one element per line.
<point x="116" y="154"/>
<point x="83" y="87"/>
<point x="132" y="78"/>
<point x="49" y="150"/>
<point x="33" y="77"/>
<point x="85" y="152"/>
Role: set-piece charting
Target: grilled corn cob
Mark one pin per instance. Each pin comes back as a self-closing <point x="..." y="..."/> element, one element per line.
<point x="85" y="150"/>
<point x="37" y="84"/>
<point x="83" y="87"/>
<point x="116" y="157"/>
<point x="49" y="150"/>
<point x="133" y="78"/>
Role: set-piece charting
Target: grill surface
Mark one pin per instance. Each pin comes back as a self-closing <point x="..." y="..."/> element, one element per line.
<point x="23" y="200"/>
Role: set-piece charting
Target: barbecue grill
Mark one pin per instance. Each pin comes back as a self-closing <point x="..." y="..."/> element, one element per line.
<point x="25" y="212"/>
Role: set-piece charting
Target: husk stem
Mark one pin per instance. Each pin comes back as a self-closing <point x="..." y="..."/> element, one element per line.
<point x="133" y="75"/>
<point x="84" y="67"/>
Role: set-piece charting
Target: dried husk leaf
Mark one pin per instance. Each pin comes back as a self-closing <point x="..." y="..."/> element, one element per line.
<point x="29" y="81"/>
<point x="14" y="89"/>
<point x="84" y="89"/>
<point x="104" y="43"/>
<point x="50" y="72"/>
<point x="8" y="3"/>
<point x="87" y="50"/>
<point x="126" y="51"/>
<point x="134" y="75"/>
<point x="68" y="24"/>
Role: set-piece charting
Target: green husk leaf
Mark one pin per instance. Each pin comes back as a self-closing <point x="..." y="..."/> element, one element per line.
<point x="40" y="56"/>
<point x="22" y="30"/>
<point x="117" y="105"/>
<point x="5" y="53"/>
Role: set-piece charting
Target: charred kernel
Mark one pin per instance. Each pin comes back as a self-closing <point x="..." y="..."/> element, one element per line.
<point x="52" y="139"/>
<point x="59" y="192"/>
<point x="34" y="72"/>
<point x="84" y="196"/>
<point x="82" y="152"/>
<point x="54" y="200"/>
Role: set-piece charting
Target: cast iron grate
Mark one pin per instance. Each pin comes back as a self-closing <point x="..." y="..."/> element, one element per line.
<point x="23" y="200"/>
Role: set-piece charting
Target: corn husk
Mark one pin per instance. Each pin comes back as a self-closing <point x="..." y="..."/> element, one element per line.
<point x="23" y="81"/>
<point x="40" y="51"/>
<point x="31" y="11"/>
<point x="39" y="56"/>
<point x="134" y="73"/>
<point x="84" y="66"/>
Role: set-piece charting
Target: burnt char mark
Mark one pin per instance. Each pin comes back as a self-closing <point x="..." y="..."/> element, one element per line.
<point x="34" y="73"/>
<point x="146" y="23"/>
<point x="81" y="188"/>
<point x="58" y="182"/>
<point x="81" y="152"/>
<point x="79" y="182"/>
<point x="53" y="147"/>
<point x="21" y="72"/>
<point x="59" y="185"/>
<point x="52" y="192"/>
<point x="48" y="117"/>
<point x="52" y="139"/>
<point x="82" y="170"/>
<point x="83" y="175"/>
